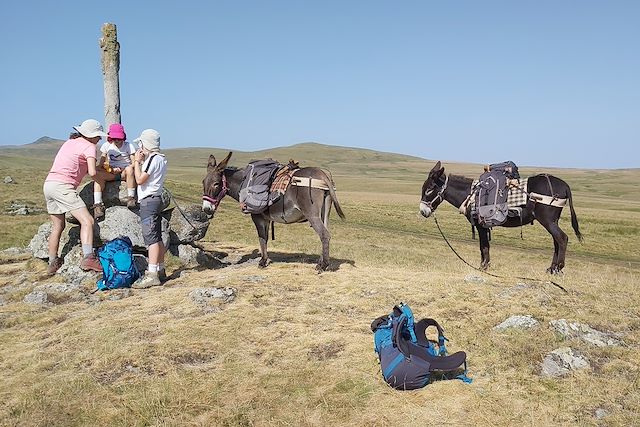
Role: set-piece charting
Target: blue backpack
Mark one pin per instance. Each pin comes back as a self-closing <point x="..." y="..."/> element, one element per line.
<point x="118" y="267"/>
<point x="407" y="357"/>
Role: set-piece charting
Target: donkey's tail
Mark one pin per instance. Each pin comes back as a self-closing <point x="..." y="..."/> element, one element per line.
<point x="574" y="217"/>
<point x="329" y="182"/>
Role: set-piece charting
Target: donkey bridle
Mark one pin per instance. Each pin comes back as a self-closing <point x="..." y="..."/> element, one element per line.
<point x="215" y="201"/>
<point x="439" y="195"/>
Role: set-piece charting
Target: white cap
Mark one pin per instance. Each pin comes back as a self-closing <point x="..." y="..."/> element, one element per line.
<point x="149" y="139"/>
<point x="90" y="128"/>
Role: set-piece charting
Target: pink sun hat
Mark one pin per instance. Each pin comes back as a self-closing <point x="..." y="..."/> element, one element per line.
<point x="116" y="131"/>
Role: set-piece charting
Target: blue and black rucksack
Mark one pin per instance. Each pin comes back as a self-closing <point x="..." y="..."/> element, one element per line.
<point x="407" y="357"/>
<point x="118" y="267"/>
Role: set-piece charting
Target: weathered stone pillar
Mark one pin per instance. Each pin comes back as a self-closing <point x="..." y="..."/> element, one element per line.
<point x="110" y="69"/>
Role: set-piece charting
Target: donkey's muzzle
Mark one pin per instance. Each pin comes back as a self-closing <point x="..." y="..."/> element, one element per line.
<point x="425" y="209"/>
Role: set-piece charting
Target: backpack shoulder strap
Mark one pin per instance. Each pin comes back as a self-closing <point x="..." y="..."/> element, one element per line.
<point x="149" y="163"/>
<point x="421" y="334"/>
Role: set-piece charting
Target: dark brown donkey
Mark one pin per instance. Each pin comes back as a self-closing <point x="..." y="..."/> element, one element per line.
<point x="455" y="190"/>
<point x="311" y="202"/>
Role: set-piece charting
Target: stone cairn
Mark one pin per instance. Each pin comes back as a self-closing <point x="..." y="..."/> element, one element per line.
<point x="179" y="232"/>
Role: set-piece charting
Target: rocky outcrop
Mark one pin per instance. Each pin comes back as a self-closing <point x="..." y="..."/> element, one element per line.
<point x="120" y="221"/>
<point x="38" y="245"/>
<point x="187" y="226"/>
<point x="212" y="299"/>
<point x="585" y="333"/>
<point x="517" y="322"/>
<point x="71" y="270"/>
<point x="562" y="361"/>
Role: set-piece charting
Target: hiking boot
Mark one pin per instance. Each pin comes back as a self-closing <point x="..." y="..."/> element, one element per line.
<point x="150" y="279"/>
<point x="162" y="275"/>
<point x="98" y="211"/>
<point x="54" y="266"/>
<point x="91" y="263"/>
<point x="131" y="202"/>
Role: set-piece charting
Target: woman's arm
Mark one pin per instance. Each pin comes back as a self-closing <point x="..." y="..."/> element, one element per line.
<point x="91" y="164"/>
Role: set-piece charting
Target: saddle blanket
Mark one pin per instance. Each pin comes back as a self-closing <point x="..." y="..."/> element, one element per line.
<point x="282" y="180"/>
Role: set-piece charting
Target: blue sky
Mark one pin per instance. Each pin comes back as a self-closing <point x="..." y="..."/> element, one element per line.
<point x="545" y="83"/>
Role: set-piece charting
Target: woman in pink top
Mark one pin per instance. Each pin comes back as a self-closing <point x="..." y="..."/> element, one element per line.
<point x="75" y="159"/>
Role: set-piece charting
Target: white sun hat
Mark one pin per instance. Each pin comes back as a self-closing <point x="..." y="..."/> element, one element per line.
<point x="90" y="128"/>
<point x="149" y="139"/>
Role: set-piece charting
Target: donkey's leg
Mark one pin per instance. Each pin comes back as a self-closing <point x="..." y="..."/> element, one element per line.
<point x="262" y="226"/>
<point x="483" y="237"/>
<point x="325" y="236"/>
<point x="560" y="240"/>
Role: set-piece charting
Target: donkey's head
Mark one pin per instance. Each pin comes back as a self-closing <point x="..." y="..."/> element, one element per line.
<point x="432" y="190"/>
<point x="214" y="184"/>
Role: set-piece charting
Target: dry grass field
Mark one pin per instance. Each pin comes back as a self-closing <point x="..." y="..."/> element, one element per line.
<point x="294" y="347"/>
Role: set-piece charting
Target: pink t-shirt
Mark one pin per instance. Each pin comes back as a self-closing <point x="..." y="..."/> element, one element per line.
<point x="70" y="164"/>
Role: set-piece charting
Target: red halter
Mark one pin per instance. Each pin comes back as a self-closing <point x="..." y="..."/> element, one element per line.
<point x="215" y="201"/>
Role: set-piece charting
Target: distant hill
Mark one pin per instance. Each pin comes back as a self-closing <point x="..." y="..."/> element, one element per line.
<point x="42" y="148"/>
<point x="45" y="143"/>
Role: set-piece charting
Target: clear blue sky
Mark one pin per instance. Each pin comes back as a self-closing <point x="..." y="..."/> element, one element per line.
<point x="544" y="83"/>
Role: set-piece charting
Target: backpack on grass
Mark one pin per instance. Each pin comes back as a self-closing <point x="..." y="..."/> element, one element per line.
<point x="407" y="357"/>
<point x="118" y="267"/>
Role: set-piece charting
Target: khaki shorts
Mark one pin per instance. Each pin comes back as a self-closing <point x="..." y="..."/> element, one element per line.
<point x="61" y="198"/>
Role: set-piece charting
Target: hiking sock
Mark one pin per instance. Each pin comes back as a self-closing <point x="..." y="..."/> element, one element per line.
<point x="97" y="197"/>
<point x="87" y="250"/>
<point x="131" y="192"/>
<point x="153" y="268"/>
<point x="161" y="266"/>
<point x="52" y="258"/>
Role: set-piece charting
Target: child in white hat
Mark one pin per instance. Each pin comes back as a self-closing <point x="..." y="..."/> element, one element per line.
<point x="150" y="169"/>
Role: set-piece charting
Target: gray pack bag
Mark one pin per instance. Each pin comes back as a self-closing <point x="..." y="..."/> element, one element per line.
<point x="491" y="199"/>
<point x="255" y="194"/>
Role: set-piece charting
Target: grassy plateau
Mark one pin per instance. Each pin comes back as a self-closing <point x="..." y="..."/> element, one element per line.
<point x="295" y="347"/>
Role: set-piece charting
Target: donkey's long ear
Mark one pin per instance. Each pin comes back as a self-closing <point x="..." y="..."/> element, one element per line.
<point x="223" y="163"/>
<point x="212" y="163"/>
<point x="436" y="168"/>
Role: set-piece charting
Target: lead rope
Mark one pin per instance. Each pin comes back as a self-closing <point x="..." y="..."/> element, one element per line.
<point x="179" y="208"/>
<point x="490" y="274"/>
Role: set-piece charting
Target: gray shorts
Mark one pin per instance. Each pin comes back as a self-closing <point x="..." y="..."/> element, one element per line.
<point x="61" y="198"/>
<point x="151" y="220"/>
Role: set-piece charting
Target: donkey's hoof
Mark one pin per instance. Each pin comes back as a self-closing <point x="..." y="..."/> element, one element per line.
<point x="484" y="267"/>
<point x="264" y="262"/>
<point x="322" y="266"/>
<point x="554" y="270"/>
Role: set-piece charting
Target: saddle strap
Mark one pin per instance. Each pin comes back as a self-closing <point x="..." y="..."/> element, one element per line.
<point x="303" y="181"/>
<point x="548" y="200"/>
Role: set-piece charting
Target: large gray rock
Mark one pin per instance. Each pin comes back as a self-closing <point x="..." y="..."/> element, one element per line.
<point x="39" y="244"/>
<point x="71" y="270"/>
<point x="187" y="226"/>
<point x="562" y="361"/>
<point x="585" y="332"/>
<point x="518" y="322"/>
<point x="120" y="221"/>
<point x="192" y="256"/>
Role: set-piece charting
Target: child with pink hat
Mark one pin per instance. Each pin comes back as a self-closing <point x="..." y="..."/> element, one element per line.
<point x="116" y="163"/>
